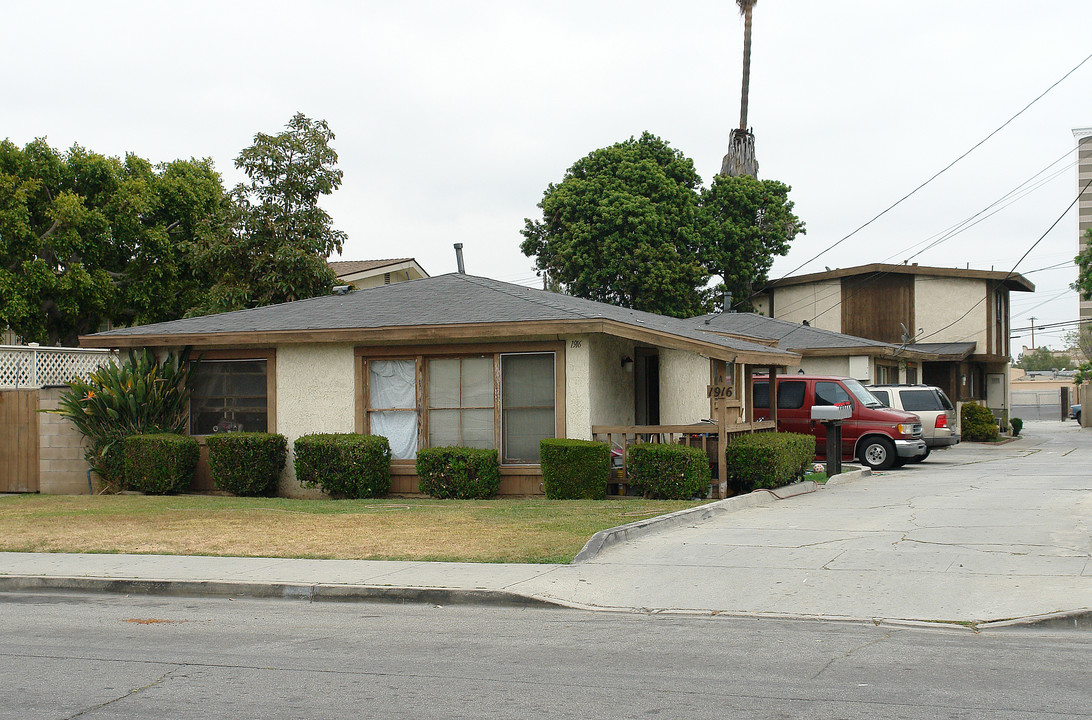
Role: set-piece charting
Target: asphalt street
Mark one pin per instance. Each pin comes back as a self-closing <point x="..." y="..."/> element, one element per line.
<point x="104" y="656"/>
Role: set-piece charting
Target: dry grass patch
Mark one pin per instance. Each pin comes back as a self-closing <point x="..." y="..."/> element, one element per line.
<point x="527" y="530"/>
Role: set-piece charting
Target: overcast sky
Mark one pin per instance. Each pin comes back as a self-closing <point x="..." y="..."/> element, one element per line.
<point x="452" y="117"/>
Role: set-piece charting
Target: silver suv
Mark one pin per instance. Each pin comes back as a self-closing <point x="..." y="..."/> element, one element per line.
<point x="938" y="418"/>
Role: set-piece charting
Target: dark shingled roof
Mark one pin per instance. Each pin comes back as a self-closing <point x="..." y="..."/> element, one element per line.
<point x="949" y="351"/>
<point x="789" y="335"/>
<point x="452" y="299"/>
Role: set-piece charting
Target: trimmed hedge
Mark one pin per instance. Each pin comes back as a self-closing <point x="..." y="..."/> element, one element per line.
<point x="671" y="472"/>
<point x="458" y="472"/>
<point x="767" y="460"/>
<point x="160" y="463"/>
<point x="977" y="423"/>
<point x="574" y="469"/>
<point x="246" y="463"/>
<point x="1017" y="426"/>
<point x="344" y="465"/>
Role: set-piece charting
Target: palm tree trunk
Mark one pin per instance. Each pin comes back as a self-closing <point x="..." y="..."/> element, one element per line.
<point x="746" y="67"/>
<point x="740" y="159"/>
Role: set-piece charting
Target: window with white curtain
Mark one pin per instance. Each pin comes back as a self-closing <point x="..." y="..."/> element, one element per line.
<point x="392" y="413"/>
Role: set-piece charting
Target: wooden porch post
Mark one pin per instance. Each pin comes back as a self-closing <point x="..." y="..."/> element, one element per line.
<point x="722" y="448"/>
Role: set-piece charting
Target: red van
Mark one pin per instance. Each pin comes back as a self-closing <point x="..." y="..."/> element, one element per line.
<point x="880" y="437"/>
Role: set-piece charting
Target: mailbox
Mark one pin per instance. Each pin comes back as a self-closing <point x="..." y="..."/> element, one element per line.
<point x="831" y="412"/>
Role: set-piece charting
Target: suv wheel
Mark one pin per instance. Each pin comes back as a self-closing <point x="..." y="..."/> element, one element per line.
<point x="878" y="453"/>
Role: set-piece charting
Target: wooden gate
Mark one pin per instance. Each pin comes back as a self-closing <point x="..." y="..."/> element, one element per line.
<point x="20" y="429"/>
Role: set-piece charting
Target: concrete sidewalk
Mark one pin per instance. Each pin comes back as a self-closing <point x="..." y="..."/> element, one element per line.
<point x="975" y="535"/>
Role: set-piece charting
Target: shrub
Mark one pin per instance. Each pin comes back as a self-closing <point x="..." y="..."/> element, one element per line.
<point x="246" y="463"/>
<point x="977" y="423"/>
<point x="458" y="472"/>
<point x="344" y="465"/>
<point x="767" y="460"/>
<point x="140" y="395"/>
<point x="160" y="463"/>
<point x="672" y="472"/>
<point x="574" y="469"/>
<point x="1017" y="426"/>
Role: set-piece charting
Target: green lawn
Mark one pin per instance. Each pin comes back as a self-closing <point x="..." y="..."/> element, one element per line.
<point x="533" y="530"/>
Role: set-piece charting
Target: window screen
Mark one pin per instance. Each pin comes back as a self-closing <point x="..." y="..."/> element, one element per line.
<point x="229" y="396"/>
<point x="527" y="405"/>
<point x="460" y="400"/>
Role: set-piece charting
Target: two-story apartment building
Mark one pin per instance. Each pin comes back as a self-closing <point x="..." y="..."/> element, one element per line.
<point x="959" y="315"/>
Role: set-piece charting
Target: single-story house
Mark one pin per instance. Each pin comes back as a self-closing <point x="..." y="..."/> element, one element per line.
<point x="450" y="360"/>
<point x="824" y="352"/>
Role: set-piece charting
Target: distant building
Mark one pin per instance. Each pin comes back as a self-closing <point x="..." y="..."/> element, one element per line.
<point x="1083" y="137"/>
<point x="364" y="274"/>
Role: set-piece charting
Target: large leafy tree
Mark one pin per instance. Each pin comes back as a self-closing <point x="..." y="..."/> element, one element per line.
<point x="279" y="251"/>
<point x="87" y="239"/>
<point x="1043" y="359"/>
<point x="631" y="225"/>
<point x="621" y="228"/>
<point x="745" y="223"/>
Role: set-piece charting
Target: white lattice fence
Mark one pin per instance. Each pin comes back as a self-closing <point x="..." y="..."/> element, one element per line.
<point x="27" y="366"/>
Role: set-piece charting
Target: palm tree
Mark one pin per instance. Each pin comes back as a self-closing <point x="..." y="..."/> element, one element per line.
<point x="740" y="159"/>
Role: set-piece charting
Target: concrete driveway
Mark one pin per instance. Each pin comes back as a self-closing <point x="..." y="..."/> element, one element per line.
<point x="975" y="534"/>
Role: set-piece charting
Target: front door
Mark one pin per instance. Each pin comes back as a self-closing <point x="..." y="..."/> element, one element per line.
<point x="646" y="379"/>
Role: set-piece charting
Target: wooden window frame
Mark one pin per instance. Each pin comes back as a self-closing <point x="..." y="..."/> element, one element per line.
<point x="270" y="357"/>
<point x="422" y="353"/>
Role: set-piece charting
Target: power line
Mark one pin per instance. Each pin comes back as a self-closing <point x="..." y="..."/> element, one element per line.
<point x="942" y="170"/>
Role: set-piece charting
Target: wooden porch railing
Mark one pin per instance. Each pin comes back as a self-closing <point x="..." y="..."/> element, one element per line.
<point x="706" y="435"/>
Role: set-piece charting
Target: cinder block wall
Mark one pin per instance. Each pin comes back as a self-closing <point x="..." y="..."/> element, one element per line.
<point x="63" y="469"/>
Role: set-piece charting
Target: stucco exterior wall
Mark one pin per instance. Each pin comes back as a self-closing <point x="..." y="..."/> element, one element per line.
<point x="577" y="386"/>
<point x="611" y="387"/>
<point x="63" y="471"/>
<point x="315" y="393"/>
<point x="841" y="366"/>
<point x="684" y="378"/>
<point x="819" y="303"/>
<point x="939" y="301"/>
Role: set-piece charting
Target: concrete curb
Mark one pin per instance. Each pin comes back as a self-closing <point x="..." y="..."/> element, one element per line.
<point x="612" y="536"/>
<point x="289" y="591"/>
<point x="848" y="477"/>
<point x="1071" y="620"/>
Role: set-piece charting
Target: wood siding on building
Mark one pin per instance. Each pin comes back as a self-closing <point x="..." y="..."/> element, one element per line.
<point x="19" y="441"/>
<point x="873" y="306"/>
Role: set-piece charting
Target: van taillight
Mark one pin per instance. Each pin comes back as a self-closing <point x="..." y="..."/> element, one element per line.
<point x="942" y="421"/>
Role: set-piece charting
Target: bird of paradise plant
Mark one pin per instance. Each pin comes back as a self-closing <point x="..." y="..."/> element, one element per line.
<point x="142" y="394"/>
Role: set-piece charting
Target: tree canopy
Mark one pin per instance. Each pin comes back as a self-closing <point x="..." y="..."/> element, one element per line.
<point x="631" y="225"/>
<point x="87" y="239"/>
<point x="282" y="239"/>
<point x="1084" y="268"/>
<point x="1042" y="358"/>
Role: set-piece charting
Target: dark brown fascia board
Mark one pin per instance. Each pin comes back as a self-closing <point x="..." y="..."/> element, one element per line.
<point x="425" y="334"/>
<point x="736" y="336"/>
<point x="1014" y="281"/>
<point x="890" y="352"/>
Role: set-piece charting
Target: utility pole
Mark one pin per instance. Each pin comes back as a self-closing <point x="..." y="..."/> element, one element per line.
<point x="1032" y="318"/>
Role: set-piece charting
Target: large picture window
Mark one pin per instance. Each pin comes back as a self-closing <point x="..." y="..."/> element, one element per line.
<point x="229" y="396"/>
<point x="501" y="400"/>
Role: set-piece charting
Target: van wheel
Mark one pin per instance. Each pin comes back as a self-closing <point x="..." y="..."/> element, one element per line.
<point x="878" y="453"/>
<point x="919" y="458"/>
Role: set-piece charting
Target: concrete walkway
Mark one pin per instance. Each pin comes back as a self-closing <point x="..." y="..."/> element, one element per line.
<point x="976" y="534"/>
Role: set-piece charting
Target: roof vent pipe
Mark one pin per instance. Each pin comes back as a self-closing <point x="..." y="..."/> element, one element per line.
<point x="726" y="305"/>
<point x="459" y="258"/>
